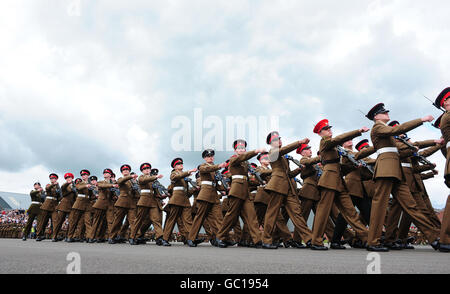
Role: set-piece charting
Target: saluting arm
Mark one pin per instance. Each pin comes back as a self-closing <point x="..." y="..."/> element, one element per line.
<point x="145" y="179"/>
<point x="310" y="161"/>
<point x="338" y="140"/>
<point x="430" y="151"/>
<point x="206" y="168"/>
<point x="366" y="152"/>
<point x="123" y="180"/>
<point x="175" y="176"/>
<point x="243" y="157"/>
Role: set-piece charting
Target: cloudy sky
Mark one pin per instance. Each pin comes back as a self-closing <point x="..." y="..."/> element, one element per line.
<point x="95" y="84"/>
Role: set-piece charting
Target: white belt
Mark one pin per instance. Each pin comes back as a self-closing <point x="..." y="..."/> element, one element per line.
<point x="406" y="165"/>
<point x="218" y="193"/>
<point x="448" y="145"/>
<point x="387" y="150"/>
<point x="238" y="177"/>
<point x="207" y="183"/>
<point x="146" y="191"/>
<point x="179" y="189"/>
<point x="82" y="195"/>
<point x="35" y="202"/>
<point x="254" y="192"/>
<point x="52" y="198"/>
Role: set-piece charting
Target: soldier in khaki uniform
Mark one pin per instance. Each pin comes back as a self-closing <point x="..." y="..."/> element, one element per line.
<point x="443" y="101"/>
<point x="332" y="186"/>
<point x="124" y="204"/>
<point x="282" y="189"/>
<point x="238" y="197"/>
<point x="389" y="178"/>
<point x="208" y="205"/>
<point x="77" y="214"/>
<point x="237" y="230"/>
<point x="354" y="179"/>
<point x="54" y="194"/>
<point x="262" y="199"/>
<point x="69" y="194"/>
<point x="100" y="208"/>
<point x="179" y="205"/>
<point x="147" y="206"/>
<point x="34" y="209"/>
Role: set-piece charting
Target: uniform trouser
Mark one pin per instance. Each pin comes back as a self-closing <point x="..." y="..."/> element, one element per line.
<point x="31" y="218"/>
<point x="306" y="206"/>
<point x="434" y="219"/>
<point x="180" y="215"/>
<point x="154" y="217"/>
<point x="445" y="227"/>
<point x="74" y="217"/>
<point x="245" y="209"/>
<point x="237" y="230"/>
<point x="44" y="217"/>
<point x="292" y="206"/>
<point x="129" y="223"/>
<point x="97" y="224"/>
<point x="119" y="214"/>
<point x="281" y="230"/>
<point x="363" y="204"/>
<point x="205" y="211"/>
<point x="400" y="190"/>
<point x="60" y="218"/>
<point x="345" y="206"/>
<point x="406" y="220"/>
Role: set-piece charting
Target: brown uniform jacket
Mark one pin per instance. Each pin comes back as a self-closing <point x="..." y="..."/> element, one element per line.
<point x="125" y="199"/>
<point x="261" y="195"/>
<point x="105" y="196"/>
<point x="68" y="198"/>
<point x="388" y="164"/>
<point x="83" y="203"/>
<point x="147" y="199"/>
<point x="332" y="176"/>
<point x="354" y="179"/>
<point x="50" y="204"/>
<point x="179" y="197"/>
<point x="34" y="207"/>
<point x="310" y="180"/>
<point x="239" y="167"/>
<point x="280" y="180"/>
<point x="445" y="130"/>
<point x="208" y="192"/>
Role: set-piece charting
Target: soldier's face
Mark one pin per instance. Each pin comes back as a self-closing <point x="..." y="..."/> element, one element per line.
<point x="307" y="152"/>
<point x="107" y="176"/>
<point x="53" y="180"/>
<point x="36" y="187"/>
<point x="447" y="104"/>
<point x="179" y="167"/>
<point x="265" y="161"/>
<point x="209" y="159"/>
<point x="382" y="117"/>
<point x="84" y="177"/>
<point x="348" y="144"/>
<point x="126" y="172"/>
<point x="69" y="180"/>
<point x="326" y="133"/>
<point x="240" y="150"/>
<point x="146" y="171"/>
<point x="94" y="182"/>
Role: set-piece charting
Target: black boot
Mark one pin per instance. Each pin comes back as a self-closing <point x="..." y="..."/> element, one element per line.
<point x="336" y="245"/>
<point x="111" y="241"/>
<point x="165" y="243"/>
<point x="435" y="244"/>
<point x="132" y="242"/>
<point x="298" y="245"/>
<point x="221" y="244"/>
<point x="54" y="240"/>
<point x="393" y="246"/>
<point x="159" y="241"/>
<point x="318" y="247"/>
<point x="269" y="246"/>
<point x="213" y="242"/>
<point x="198" y="241"/>
<point x="444" y="247"/>
<point x="191" y="243"/>
<point x="24" y="238"/>
<point x="70" y="240"/>
<point x="377" y="248"/>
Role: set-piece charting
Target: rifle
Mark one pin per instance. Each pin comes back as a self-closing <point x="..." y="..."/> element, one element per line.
<point x="434" y="104"/>
<point x="319" y="170"/>
<point x="221" y="179"/>
<point x="43" y="195"/>
<point x="256" y="174"/>
<point x="92" y="188"/>
<point x="190" y="181"/>
<point x="352" y="159"/>
<point x="163" y="192"/>
<point x="298" y="181"/>
<point x="116" y="191"/>
<point x="135" y="187"/>
<point x="421" y="158"/>
<point x="288" y="157"/>
<point x="59" y="191"/>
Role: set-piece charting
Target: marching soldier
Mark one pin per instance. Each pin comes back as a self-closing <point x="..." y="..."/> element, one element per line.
<point x="124" y="204"/>
<point x="77" y="214"/>
<point x="179" y="205"/>
<point x="69" y="193"/>
<point x="53" y="192"/>
<point x="207" y="206"/>
<point x="282" y="190"/>
<point x="100" y="208"/>
<point x="332" y="186"/>
<point x="34" y="209"/>
<point x="262" y="200"/>
<point x="389" y="178"/>
<point x="237" y="231"/>
<point x="147" y="207"/>
<point x="354" y="182"/>
<point x="239" y="202"/>
<point x="443" y="101"/>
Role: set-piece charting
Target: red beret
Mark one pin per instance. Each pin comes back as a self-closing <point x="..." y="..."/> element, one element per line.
<point x="442" y="96"/>
<point x="68" y="175"/>
<point x="302" y="147"/>
<point x="321" y="125"/>
<point x="53" y="176"/>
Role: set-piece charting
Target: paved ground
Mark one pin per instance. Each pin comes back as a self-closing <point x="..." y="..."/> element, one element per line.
<point x="17" y="256"/>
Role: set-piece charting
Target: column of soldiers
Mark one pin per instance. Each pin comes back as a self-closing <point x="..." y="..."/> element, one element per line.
<point x="378" y="198"/>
